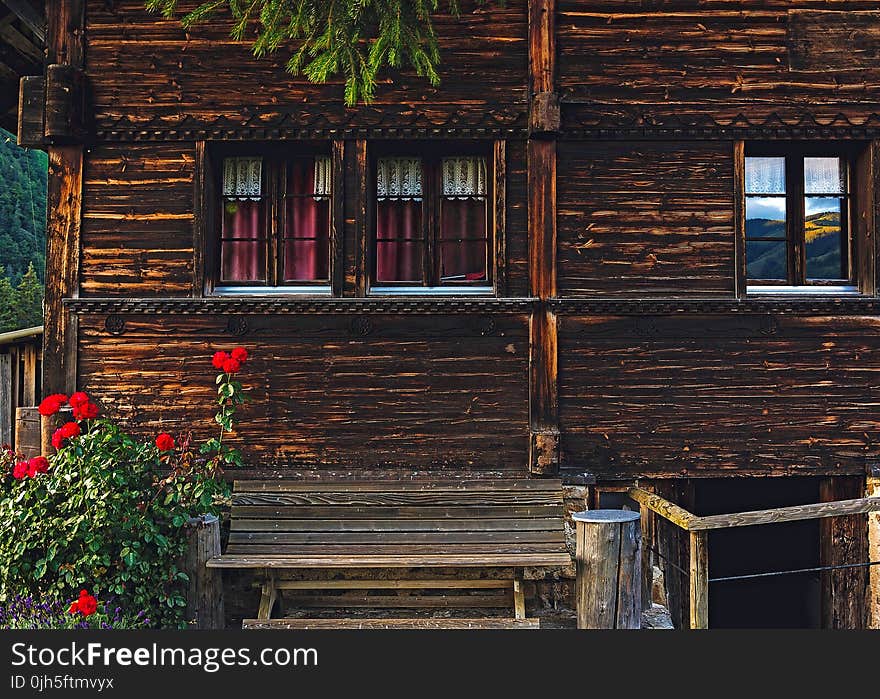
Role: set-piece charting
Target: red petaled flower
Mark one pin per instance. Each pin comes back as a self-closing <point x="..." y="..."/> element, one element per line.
<point x="77" y="399"/>
<point x="230" y="366"/>
<point x="164" y="442"/>
<point x="20" y="470"/>
<point x="52" y="404"/>
<point x="218" y="359"/>
<point x="39" y="464"/>
<point x="239" y="354"/>
<point x="58" y="438"/>
<point x="70" y="430"/>
<point x="85" y="605"/>
<point x="85" y="411"/>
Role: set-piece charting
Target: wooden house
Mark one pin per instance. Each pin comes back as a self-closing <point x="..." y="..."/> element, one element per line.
<point x="622" y="241"/>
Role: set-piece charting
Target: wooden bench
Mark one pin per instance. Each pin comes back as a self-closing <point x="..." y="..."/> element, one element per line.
<point x="295" y="525"/>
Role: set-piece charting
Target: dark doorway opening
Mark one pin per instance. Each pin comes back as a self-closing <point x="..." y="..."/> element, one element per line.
<point x="787" y="601"/>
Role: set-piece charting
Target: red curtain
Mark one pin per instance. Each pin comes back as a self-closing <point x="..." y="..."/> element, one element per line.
<point x="306" y="226"/>
<point x="243" y="249"/>
<point x="463" y="240"/>
<point x="398" y="240"/>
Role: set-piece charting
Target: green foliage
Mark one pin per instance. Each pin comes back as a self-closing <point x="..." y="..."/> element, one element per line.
<point x="23" y="176"/>
<point x="353" y="38"/>
<point x="21" y="306"/>
<point x="108" y="517"/>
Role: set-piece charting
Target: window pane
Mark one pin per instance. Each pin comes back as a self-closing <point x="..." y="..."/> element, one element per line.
<point x="825" y="241"/>
<point x="765" y="259"/>
<point x="462" y="257"/>
<point x="765" y="175"/>
<point x="243" y="219"/>
<point x="306" y="260"/>
<point x="399" y="240"/>
<point x="243" y="260"/>
<point x="463" y="261"/>
<point x="765" y="217"/>
<point x="824" y="176"/>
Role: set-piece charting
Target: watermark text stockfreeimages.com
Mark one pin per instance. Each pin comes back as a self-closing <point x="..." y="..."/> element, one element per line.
<point x="97" y="654"/>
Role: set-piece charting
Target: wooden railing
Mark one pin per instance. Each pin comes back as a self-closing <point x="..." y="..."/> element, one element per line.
<point x="699" y="527"/>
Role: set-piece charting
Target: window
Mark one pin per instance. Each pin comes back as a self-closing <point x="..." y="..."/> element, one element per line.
<point x="275" y="222"/>
<point x="797" y="219"/>
<point x="432" y="227"/>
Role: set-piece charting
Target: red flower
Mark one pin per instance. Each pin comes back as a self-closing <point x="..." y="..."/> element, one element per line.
<point x="52" y="404"/>
<point x="69" y="430"/>
<point x="218" y="359"/>
<point x="77" y="399"/>
<point x="240" y="354"/>
<point x="20" y="470"/>
<point x="85" y="411"/>
<point x="85" y="605"/>
<point x="164" y="442"/>
<point x="58" y="438"/>
<point x="39" y="464"/>
<point x="230" y="366"/>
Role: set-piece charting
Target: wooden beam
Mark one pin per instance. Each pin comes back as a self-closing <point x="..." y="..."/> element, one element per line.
<point x="740" y="277"/>
<point x="872" y="489"/>
<point x="699" y="580"/>
<point x="663" y="507"/>
<point x="20" y="43"/>
<point x="29" y="16"/>
<point x="820" y="510"/>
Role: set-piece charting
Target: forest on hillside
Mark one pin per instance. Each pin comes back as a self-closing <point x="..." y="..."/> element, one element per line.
<point x="23" y="175"/>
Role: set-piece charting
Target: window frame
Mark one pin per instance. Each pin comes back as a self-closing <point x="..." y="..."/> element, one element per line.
<point x="276" y="156"/>
<point x="795" y="219"/>
<point x="431" y="155"/>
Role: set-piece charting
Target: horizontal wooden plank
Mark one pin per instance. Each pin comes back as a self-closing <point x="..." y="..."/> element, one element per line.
<point x="420" y="623"/>
<point x="432" y="499"/>
<point x="665" y="508"/>
<point x="352" y="513"/>
<point x="445" y="584"/>
<point x="272" y="526"/>
<point x="478" y="601"/>
<point x="358" y="538"/>
<point x="426" y="560"/>
<point x="787" y="514"/>
<point x="433" y="485"/>
<point x="394" y="549"/>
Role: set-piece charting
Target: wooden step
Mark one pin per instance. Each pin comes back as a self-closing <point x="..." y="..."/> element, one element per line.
<point x="421" y="623"/>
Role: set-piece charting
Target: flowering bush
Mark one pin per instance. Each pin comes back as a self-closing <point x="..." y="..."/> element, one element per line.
<point x="106" y="511"/>
<point x="27" y="613"/>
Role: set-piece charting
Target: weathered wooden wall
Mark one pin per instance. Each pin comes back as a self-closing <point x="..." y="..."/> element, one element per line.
<point x="336" y="391"/>
<point x="645" y="218"/>
<point x="719" y="395"/>
<point x="663" y="61"/>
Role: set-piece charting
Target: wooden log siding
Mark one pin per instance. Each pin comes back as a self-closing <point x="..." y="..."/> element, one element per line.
<point x="415" y="391"/>
<point x="137" y="237"/>
<point x="726" y="59"/>
<point x="646" y="218"/>
<point x="145" y="69"/>
<point x="715" y="396"/>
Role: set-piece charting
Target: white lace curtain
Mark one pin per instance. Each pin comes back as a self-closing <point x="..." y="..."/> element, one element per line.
<point x="323" y="177"/>
<point x="464" y="178"/>
<point x="242" y="178"/>
<point x="765" y="175"/>
<point x="822" y="176"/>
<point x="399" y="178"/>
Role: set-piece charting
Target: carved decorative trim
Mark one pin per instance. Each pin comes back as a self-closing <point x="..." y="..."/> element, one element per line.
<point x="853" y="306"/>
<point x="580" y="121"/>
<point x="264" y="306"/>
<point x="388" y="124"/>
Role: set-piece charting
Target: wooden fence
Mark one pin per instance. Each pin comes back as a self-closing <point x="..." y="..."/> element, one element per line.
<point x="698" y="529"/>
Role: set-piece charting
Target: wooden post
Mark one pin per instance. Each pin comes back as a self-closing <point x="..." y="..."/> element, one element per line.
<point x="699" y="580"/>
<point x="6" y="402"/>
<point x="873" y="490"/>
<point x="647" y="522"/>
<point x="204" y="599"/>
<point x="609" y="594"/>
